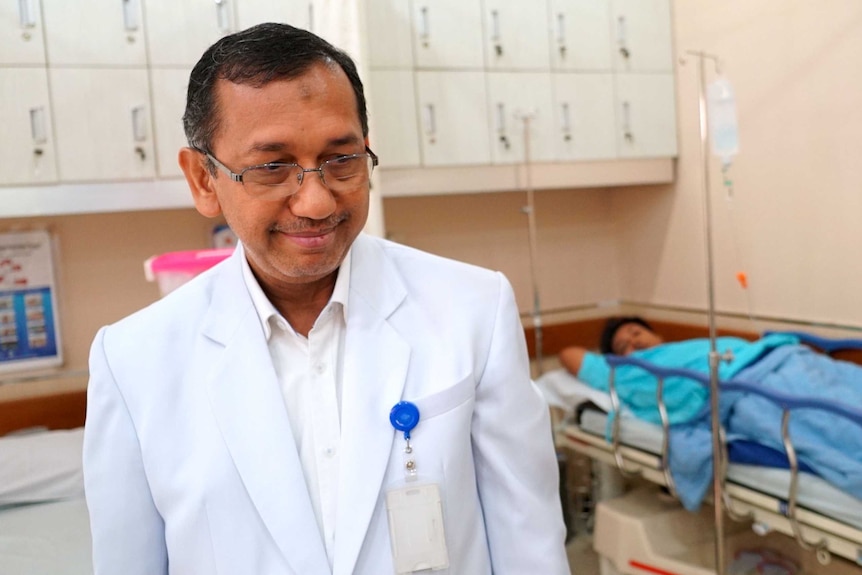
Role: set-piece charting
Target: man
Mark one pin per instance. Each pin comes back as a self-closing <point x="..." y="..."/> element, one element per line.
<point x="241" y="425"/>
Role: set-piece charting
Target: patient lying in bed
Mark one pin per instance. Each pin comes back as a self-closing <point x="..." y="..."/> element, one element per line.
<point x="831" y="448"/>
<point x="685" y="399"/>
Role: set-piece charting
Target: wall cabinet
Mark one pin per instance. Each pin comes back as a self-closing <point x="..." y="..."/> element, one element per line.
<point x="594" y="77"/>
<point x="516" y="35"/>
<point x="449" y="83"/>
<point x="109" y="139"/>
<point x="585" y="126"/>
<point x="113" y="32"/>
<point x="27" y="145"/>
<point x="516" y="98"/>
<point x="21" y="33"/>
<point x="647" y="112"/>
<point x="447" y="33"/>
<point x="454" y="112"/>
<point x="580" y="35"/>
<point x="642" y="32"/>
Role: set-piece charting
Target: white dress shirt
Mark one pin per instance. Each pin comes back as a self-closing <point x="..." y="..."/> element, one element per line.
<point x="309" y="373"/>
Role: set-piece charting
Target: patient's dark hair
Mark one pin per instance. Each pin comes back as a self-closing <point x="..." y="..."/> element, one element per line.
<point x="610" y="330"/>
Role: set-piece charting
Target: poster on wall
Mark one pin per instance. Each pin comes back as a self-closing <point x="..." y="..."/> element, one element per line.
<point x="29" y="329"/>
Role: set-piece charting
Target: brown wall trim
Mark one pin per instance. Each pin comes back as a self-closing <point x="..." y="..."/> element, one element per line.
<point x="59" y="411"/>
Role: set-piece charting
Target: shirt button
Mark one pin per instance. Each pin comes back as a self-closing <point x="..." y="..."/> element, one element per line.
<point x="320" y="368"/>
<point x="329" y="451"/>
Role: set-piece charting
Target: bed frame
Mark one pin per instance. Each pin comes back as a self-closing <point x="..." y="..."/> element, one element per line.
<point x="812" y="531"/>
<point x="65" y="410"/>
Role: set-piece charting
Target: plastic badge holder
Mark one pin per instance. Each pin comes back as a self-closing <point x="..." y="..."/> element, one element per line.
<point x="173" y="269"/>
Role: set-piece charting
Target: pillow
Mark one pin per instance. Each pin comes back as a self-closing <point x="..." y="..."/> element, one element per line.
<point x="41" y="466"/>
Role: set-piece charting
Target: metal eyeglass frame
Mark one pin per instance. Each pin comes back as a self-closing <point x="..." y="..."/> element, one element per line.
<point x="237" y="177"/>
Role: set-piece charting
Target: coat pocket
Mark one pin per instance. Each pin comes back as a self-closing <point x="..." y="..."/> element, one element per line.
<point x="446" y="400"/>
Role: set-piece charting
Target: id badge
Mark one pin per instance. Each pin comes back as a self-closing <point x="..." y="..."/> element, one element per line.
<point x="415" y="512"/>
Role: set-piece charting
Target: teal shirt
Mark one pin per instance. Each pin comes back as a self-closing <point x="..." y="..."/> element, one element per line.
<point x="683" y="397"/>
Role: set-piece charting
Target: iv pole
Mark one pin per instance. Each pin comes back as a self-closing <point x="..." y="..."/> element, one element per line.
<point x="714" y="357"/>
<point x="530" y="210"/>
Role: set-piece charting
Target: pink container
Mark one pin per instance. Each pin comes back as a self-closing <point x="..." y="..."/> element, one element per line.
<point x="173" y="269"/>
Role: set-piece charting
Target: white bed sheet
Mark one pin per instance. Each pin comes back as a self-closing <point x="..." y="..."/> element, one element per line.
<point x="51" y="538"/>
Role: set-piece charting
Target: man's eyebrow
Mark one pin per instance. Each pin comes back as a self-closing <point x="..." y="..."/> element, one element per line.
<point x="281" y="146"/>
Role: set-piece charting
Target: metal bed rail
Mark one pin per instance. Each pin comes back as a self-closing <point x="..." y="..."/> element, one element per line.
<point x="786" y="402"/>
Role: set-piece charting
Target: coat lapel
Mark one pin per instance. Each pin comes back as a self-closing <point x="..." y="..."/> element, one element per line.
<point x="375" y="370"/>
<point x="248" y="406"/>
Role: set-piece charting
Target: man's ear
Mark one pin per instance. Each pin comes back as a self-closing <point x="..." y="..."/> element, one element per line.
<point x="194" y="166"/>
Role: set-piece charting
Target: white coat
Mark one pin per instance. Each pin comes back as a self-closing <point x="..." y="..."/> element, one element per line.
<point x="191" y="468"/>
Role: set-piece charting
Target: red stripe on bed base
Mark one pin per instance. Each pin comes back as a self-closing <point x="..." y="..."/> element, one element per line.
<point x="650" y="568"/>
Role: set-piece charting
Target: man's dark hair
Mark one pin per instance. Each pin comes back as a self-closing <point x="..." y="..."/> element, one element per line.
<point x="257" y="56"/>
<point x="610" y="330"/>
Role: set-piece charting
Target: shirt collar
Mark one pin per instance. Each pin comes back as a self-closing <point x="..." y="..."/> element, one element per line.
<point x="266" y="311"/>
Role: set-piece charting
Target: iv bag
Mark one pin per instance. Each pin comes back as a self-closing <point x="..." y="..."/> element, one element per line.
<point x="721" y="107"/>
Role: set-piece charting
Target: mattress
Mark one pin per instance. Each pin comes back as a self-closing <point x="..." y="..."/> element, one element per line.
<point x="51" y="538"/>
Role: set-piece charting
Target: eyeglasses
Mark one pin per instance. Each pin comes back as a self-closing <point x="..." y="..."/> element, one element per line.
<point x="278" y="180"/>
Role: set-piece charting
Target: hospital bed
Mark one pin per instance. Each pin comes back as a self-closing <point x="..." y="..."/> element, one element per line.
<point x="44" y="525"/>
<point x="824" y="521"/>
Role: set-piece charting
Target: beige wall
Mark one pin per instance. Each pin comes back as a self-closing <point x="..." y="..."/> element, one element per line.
<point x="575" y="231"/>
<point x="794" y="222"/>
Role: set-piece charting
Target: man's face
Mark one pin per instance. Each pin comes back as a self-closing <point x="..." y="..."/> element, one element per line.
<point x="631" y="337"/>
<point x="306" y="120"/>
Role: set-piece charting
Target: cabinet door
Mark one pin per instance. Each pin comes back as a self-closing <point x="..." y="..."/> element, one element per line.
<point x="180" y="32"/>
<point x="454" y="112"/>
<point x="580" y="35"/>
<point x="297" y="13"/>
<point x="520" y="107"/>
<point x="585" y="127"/>
<point x="394" y="123"/>
<point x="102" y="121"/>
<point x="448" y="34"/>
<point x="21" y="40"/>
<point x="647" y="112"/>
<point x="388" y="33"/>
<point x="86" y="32"/>
<point x="169" y="104"/>
<point x="27" y="145"/>
<point x="643" y="35"/>
<point x="516" y="35"/>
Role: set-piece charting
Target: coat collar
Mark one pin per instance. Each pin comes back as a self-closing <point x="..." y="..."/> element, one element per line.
<point x="247" y="403"/>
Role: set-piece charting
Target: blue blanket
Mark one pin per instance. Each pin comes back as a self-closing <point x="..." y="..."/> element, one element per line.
<point x="829" y="445"/>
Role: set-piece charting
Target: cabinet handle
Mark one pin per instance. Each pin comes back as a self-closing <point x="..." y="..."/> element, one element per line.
<point x="139" y="123"/>
<point x="130" y="15"/>
<point x="430" y="123"/>
<point x="566" y="124"/>
<point x="627" y="122"/>
<point x="424" y="26"/>
<point x="495" y="32"/>
<point x="26" y="13"/>
<point x="222" y="15"/>
<point x="38" y="129"/>
<point x="561" y="34"/>
<point x="621" y="37"/>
